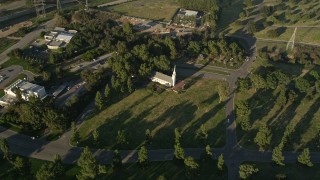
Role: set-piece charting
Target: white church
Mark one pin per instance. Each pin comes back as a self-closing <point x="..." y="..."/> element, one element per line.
<point x="166" y="80"/>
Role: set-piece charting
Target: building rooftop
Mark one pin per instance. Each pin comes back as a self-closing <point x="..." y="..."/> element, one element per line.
<point x="64" y="37"/>
<point x="163" y="77"/>
<point x="191" y="13"/>
<point x="59" y="29"/>
<point x="55" y="43"/>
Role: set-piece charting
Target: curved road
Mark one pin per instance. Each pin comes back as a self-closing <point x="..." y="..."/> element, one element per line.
<point x="233" y="153"/>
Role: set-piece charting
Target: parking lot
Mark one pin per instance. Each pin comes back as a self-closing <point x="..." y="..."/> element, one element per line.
<point x="9" y="74"/>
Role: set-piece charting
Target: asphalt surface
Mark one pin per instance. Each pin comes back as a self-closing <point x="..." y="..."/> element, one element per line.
<point x="27" y="39"/>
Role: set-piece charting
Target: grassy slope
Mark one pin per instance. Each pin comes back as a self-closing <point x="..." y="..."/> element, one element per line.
<point x="25" y="64"/>
<point x="149" y="9"/>
<point x="168" y="169"/>
<point x="161" y="114"/>
<point x="292" y="171"/>
<point x="5" y="43"/>
<point x="303" y="114"/>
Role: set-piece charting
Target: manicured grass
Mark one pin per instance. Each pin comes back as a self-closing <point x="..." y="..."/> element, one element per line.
<point x="292" y="171"/>
<point x="98" y="2"/>
<point x="306" y="35"/>
<point x="161" y="114"/>
<point x="5" y="43"/>
<point x="167" y="169"/>
<point x="229" y="13"/>
<point x="303" y="114"/>
<point x="25" y="64"/>
<point x="150" y="9"/>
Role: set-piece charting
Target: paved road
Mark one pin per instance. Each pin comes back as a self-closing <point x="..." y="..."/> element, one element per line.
<point x="27" y="39"/>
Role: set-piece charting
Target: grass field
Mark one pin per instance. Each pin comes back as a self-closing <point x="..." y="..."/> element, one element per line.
<point x="292" y="171"/>
<point x="303" y="114"/>
<point x="161" y="114"/>
<point x="150" y="9"/>
<point x="25" y="64"/>
<point x="306" y="35"/>
<point x="168" y="169"/>
<point x="5" y="43"/>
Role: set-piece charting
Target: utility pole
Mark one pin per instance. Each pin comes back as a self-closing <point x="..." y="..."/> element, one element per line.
<point x="40" y="8"/>
<point x="290" y="43"/>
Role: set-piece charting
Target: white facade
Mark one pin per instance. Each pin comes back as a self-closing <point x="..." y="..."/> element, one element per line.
<point x="59" y="37"/>
<point x="164" y="79"/>
<point x="27" y="90"/>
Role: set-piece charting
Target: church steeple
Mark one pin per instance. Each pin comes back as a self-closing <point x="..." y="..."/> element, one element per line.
<point x="174" y="74"/>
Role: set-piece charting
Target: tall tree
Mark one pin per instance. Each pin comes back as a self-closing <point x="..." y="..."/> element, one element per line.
<point x="277" y="156"/>
<point x="177" y="135"/>
<point x="246" y="170"/>
<point x="192" y="167"/>
<point x="22" y="166"/>
<point x="116" y="160"/>
<point x="220" y="163"/>
<point x="5" y="149"/>
<point x="148" y="136"/>
<point x="99" y="101"/>
<point x="263" y="137"/>
<point x="202" y="133"/>
<point x="96" y="136"/>
<point x="143" y="156"/>
<point x="304" y="158"/>
<point x="107" y="92"/>
<point x="178" y="151"/>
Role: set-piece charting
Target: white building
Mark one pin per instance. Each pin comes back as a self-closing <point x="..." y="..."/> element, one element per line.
<point x="58" y="37"/>
<point x="27" y="90"/>
<point x="165" y="79"/>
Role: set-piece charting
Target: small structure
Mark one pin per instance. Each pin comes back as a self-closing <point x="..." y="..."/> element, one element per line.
<point x="187" y="18"/>
<point x="26" y="89"/>
<point x="59" y="37"/>
<point x="165" y="79"/>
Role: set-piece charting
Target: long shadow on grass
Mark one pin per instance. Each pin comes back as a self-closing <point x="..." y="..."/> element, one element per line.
<point x="305" y="123"/>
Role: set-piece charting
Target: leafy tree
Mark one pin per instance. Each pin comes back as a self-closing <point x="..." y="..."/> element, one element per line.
<point x="291" y="96"/>
<point x="143" y="156"/>
<point x="208" y="152"/>
<point x="302" y="85"/>
<point x="50" y="171"/>
<point x="304" y="158"/>
<point x="246" y="170"/>
<point x="243" y="112"/>
<point x="75" y="136"/>
<point x="5" y="149"/>
<point x="223" y="92"/>
<point x="52" y="59"/>
<point x="277" y="156"/>
<point x="22" y="166"/>
<point x="130" y="85"/>
<point x="257" y="81"/>
<point x="314" y="74"/>
<point x="116" y="160"/>
<point x="121" y="137"/>
<point x="281" y="99"/>
<point x="263" y="137"/>
<point x="96" y="136"/>
<point x="55" y="121"/>
<point x="178" y="151"/>
<point x="148" y="136"/>
<point x="280" y="176"/>
<point x="248" y="3"/>
<point x="99" y="100"/>
<point x="127" y="28"/>
<point x="220" y="162"/>
<point x="177" y="135"/>
<point x="202" y="133"/>
<point x="107" y="92"/>
<point x="192" y="167"/>
<point x="243" y="84"/>
<point x="89" y="168"/>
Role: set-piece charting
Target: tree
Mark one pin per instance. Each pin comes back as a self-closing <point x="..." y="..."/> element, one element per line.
<point x="50" y="171"/>
<point x="89" y="168"/>
<point x="263" y="137"/>
<point x="75" y="136"/>
<point x="127" y="28"/>
<point x="178" y="151"/>
<point x="121" y="137"/>
<point x="52" y="59"/>
<point x="277" y="156"/>
<point x="192" y="167"/>
<point x="5" y="149"/>
<point x="22" y="165"/>
<point x="246" y="170"/>
<point x="177" y="135"/>
<point x="202" y="133"/>
<point x="257" y="81"/>
<point x="314" y="74"/>
<point x="143" y="156"/>
<point x="248" y="3"/>
<point x="96" y="136"/>
<point x="302" y="85"/>
<point x="55" y="121"/>
<point x="281" y="99"/>
<point x="304" y="158"/>
<point x="220" y="162"/>
<point x="99" y="100"/>
<point x="243" y="84"/>
<point x="207" y="154"/>
<point x="148" y="136"/>
<point x="116" y="160"/>
<point x="223" y="92"/>
<point x="107" y="92"/>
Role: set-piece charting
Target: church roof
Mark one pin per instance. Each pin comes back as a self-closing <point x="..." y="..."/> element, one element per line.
<point x="163" y="77"/>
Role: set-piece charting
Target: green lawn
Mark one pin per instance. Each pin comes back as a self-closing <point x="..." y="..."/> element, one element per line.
<point x="292" y="171"/>
<point x="168" y="169"/>
<point x="150" y="9"/>
<point x="303" y="114"/>
<point x="98" y="2"/>
<point x="161" y="114"/>
<point x="5" y="43"/>
<point x="25" y="64"/>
